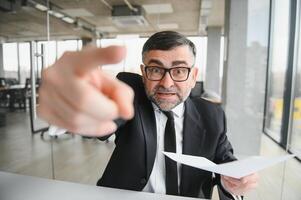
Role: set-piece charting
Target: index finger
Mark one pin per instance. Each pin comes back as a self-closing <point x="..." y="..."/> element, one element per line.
<point x="90" y="58"/>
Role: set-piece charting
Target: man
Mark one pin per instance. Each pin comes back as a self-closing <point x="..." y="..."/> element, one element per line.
<point x="86" y="100"/>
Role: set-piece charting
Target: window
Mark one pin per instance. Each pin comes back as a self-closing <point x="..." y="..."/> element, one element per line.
<point x="278" y="64"/>
<point x="67" y="45"/>
<point x="24" y="61"/>
<point x="201" y="55"/>
<point x="133" y="59"/>
<point x="24" y="56"/>
<point x="10" y="57"/>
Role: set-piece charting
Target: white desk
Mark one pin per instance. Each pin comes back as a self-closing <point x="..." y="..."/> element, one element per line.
<point x="20" y="187"/>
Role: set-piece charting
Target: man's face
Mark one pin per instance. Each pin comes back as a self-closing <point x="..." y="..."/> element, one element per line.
<point x="167" y="93"/>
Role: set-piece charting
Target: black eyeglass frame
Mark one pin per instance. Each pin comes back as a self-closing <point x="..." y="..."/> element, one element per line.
<point x="167" y="70"/>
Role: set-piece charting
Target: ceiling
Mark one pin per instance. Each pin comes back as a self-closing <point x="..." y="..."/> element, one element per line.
<point x="93" y="18"/>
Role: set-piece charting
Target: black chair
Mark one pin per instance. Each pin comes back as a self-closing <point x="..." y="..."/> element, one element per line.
<point x="12" y="81"/>
<point x="17" y="96"/>
<point x="133" y="80"/>
<point x="198" y="90"/>
<point x="4" y="99"/>
<point x="3" y="82"/>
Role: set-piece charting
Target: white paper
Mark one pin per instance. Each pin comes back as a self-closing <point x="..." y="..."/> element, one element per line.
<point x="235" y="169"/>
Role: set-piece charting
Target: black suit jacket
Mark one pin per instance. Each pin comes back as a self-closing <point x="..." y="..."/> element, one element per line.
<point x="204" y="134"/>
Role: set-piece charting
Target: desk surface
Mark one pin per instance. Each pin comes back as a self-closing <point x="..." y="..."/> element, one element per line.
<point x="20" y="187"/>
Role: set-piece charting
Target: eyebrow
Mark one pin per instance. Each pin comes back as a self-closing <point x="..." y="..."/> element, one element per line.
<point x="155" y="61"/>
<point x="179" y="62"/>
<point x="174" y="63"/>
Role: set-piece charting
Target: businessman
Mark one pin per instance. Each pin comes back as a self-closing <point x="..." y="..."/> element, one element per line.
<point x="148" y="115"/>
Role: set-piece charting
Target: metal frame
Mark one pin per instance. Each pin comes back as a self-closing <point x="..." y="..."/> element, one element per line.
<point x="288" y="77"/>
<point x="297" y="48"/>
<point x="32" y="102"/>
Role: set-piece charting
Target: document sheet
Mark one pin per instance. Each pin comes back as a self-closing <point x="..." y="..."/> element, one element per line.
<point x="235" y="169"/>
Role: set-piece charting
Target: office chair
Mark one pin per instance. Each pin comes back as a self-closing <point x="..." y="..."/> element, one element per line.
<point x="133" y="80"/>
<point x="198" y="90"/>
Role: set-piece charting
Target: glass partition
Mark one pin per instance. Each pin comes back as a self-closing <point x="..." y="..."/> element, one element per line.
<point x="22" y="151"/>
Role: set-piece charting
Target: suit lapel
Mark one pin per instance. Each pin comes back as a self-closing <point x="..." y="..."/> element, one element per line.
<point x="193" y="138"/>
<point x="148" y="121"/>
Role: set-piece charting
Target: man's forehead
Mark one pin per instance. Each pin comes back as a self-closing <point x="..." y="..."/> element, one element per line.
<point x="178" y="55"/>
<point x="175" y="50"/>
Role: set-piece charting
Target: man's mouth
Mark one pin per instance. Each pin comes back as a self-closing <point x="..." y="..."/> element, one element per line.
<point x="166" y="94"/>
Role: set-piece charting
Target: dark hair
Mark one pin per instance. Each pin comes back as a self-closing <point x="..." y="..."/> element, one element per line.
<point x="167" y="40"/>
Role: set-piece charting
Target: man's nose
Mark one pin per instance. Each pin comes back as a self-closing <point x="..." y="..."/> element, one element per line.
<point x="167" y="81"/>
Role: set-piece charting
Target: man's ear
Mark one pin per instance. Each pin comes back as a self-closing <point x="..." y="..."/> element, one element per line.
<point x="194" y="74"/>
<point x="142" y="72"/>
<point x="142" y="69"/>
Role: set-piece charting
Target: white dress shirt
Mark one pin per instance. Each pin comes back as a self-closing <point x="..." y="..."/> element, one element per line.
<point x="156" y="182"/>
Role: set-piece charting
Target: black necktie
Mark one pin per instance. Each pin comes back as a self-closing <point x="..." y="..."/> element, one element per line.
<point x="170" y="146"/>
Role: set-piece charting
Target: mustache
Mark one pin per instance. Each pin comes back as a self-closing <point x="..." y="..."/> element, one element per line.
<point x="165" y="90"/>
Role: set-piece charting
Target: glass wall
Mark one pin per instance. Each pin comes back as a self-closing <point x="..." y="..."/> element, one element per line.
<point x="20" y="151"/>
<point x="283" y="101"/>
<point x="278" y="64"/>
<point x="284" y="82"/>
<point x="16" y="56"/>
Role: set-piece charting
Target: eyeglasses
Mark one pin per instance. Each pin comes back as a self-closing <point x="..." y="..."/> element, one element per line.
<point x="178" y="74"/>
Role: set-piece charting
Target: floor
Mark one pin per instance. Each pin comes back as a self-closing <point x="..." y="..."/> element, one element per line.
<point x="82" y="160"/>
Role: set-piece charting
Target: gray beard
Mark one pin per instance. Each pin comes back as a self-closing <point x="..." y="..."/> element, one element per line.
<point x="158" y="103"/>
<point x="151" y="97"/>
